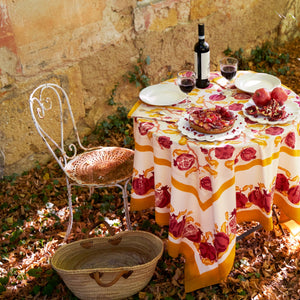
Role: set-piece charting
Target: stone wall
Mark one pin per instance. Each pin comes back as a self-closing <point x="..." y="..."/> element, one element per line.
<point x="87" y="46"/>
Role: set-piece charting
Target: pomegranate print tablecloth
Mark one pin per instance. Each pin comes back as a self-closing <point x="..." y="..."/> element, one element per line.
<point x="202" y="189"/>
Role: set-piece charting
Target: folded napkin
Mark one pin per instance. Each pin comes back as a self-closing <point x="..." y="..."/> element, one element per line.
<point x="221" y="81"/>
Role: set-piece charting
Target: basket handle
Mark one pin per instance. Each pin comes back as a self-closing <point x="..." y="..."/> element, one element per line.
<point x="97" y="275"/>
<point x="109" y="228"/>
<point x="114" y="241"/>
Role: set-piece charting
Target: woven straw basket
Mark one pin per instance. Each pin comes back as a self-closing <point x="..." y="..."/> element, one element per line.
<point x="112" y="267"/>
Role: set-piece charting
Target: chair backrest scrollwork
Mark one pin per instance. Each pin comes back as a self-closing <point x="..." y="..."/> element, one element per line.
<point x="54" y="120"/>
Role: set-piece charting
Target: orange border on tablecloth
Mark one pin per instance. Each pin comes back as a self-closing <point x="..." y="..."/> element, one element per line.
<point x="134" y="108"/>
<point x="255" y="215"/>
<point x="268" y="160"/>
<point x="291" y="212"/>
<point x="142" y="203"/>
<point x="162" y="219"/>
<point x="191" y="189"/>
<point x="257" y="162"/>
<point x="142" y="148"/>
<point x="290" y="151"/>
<point x="162" y="162"/>
<point x="193" y="279"/>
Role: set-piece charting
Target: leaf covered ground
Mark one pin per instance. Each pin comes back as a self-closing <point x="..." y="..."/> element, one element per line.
<point x="33" y="220"/>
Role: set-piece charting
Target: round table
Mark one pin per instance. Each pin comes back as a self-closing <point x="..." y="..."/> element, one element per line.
<point x="202" y="189"/>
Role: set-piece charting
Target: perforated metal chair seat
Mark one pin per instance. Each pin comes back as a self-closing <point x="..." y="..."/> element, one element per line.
<point x="102" y="166"/>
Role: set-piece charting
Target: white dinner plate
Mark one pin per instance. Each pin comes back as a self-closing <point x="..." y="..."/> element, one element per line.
<point x="162" y="94"/>
<point x="291" y="108"/>
<point x="184" y="127"/>
<point x="251" y="82"/>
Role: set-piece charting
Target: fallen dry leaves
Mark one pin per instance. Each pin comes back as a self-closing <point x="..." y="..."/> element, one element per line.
<point x="34" y="218"/>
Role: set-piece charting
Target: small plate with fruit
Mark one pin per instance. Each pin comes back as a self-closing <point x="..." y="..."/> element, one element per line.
<point x="271" y="107"/>
<point x="253" y="81"/>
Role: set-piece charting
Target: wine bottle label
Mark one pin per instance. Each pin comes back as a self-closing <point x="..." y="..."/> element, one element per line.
<point x="203" y="66"/>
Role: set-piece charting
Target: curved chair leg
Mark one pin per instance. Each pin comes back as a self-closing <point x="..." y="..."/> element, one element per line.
<point x="125" y="200"/>
<point x="70" y="210"/>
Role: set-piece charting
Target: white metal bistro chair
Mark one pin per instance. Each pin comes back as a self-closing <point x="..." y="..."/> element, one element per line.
<point x="93" y="167"/>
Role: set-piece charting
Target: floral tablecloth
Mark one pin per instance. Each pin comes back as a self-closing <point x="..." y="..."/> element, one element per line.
<point x="203" y="189"/>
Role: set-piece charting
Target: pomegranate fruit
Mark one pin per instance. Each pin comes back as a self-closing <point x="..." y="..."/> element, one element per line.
<point x="241" y="200"/>
<point x="221" y="242"/>
<point x="192" y="233"/>
<point x="184" y="161"/>
<point x="261" y="97"/>
<point x="279" y="94"/>
<point x="175" y="227"/>
<point x="207" y="250"/>
<point x="162" y="196"/>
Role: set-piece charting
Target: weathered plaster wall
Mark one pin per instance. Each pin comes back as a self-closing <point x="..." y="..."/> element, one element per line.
<point x="88" y="46"/>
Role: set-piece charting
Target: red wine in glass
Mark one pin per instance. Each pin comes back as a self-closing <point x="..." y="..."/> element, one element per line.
<point x="228" y="67"/>
<point x="228" y="72"/>
<point x="186" y="81"/>
<point x="186" y="85"/>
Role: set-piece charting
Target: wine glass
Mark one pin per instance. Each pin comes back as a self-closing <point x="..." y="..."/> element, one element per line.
<point x="186" y="81"/>
<point x="228" y="67"/>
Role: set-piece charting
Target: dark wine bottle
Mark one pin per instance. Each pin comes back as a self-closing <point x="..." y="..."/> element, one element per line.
<point x="202" y="59"/>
